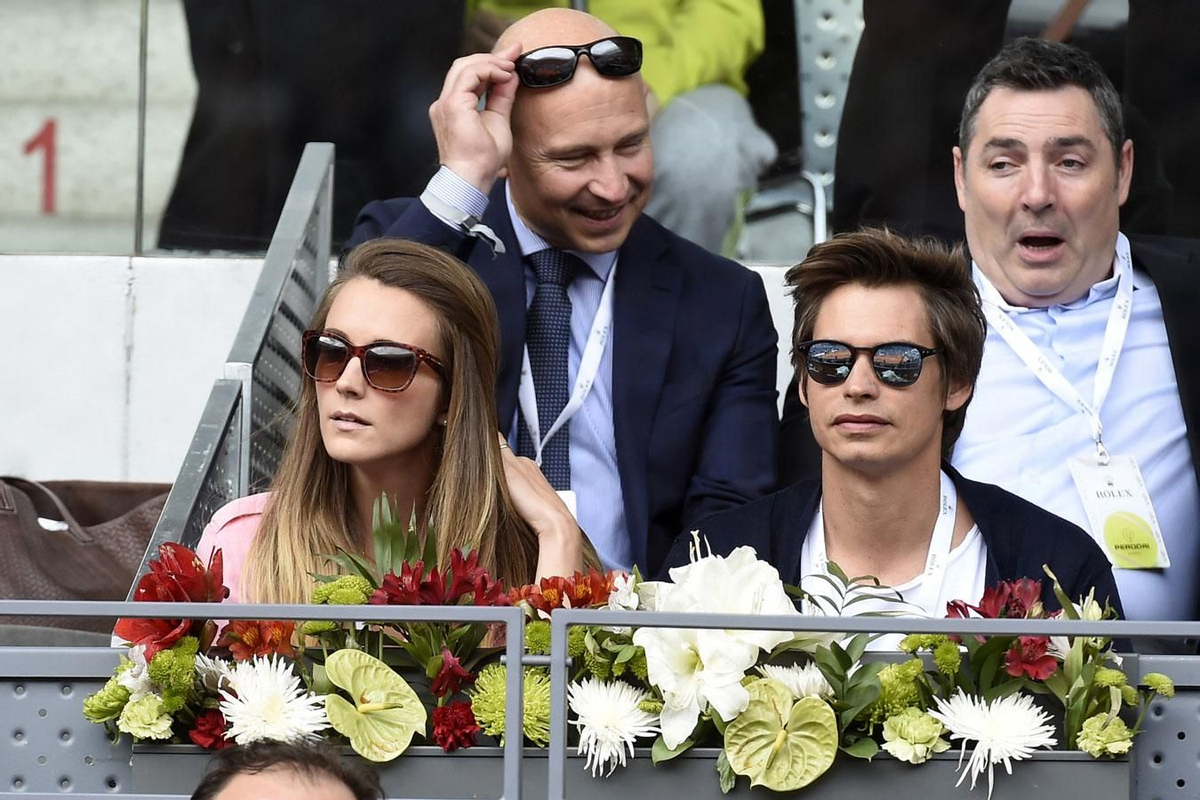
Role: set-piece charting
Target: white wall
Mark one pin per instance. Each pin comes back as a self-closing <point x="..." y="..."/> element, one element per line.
<point x="108" y="361"/>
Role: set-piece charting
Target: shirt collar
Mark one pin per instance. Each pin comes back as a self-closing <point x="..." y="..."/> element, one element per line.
<point x="530" y="242"/>
<point x="1101" y="290"/>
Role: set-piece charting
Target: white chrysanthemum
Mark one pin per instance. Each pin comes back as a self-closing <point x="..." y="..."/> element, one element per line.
<point x="137" y="678"/>
<point x="609" y="721"/>
<point x="1005" y="730"/>
<point x="214" y="673"/>
<point x="268" y="702"/>
<point x="806" y="681"/>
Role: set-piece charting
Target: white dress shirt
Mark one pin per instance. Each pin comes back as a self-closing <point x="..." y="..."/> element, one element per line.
<point x="1020" y="435"/>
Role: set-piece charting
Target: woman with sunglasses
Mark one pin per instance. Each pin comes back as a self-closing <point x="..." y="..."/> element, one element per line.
<point x="888" y="339"/>
<point x="401" y="361"/>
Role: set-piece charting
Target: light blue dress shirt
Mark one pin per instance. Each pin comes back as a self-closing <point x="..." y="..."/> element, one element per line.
<point x="594" y="474"/>
<point x="1020" y="435"/>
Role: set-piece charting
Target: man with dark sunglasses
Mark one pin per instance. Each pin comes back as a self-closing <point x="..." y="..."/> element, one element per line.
<point x="888" y="341"/>
<point x="638" y="369"/>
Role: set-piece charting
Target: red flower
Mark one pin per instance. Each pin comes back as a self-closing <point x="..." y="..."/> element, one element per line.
<point x="1026" y="600"/>
<point x="1027" y="656"/>
<point x="402" y="589"/>
<point x="994" y="601"/>
<point x="177" y="575"/>
<point x="209" y="731"/>
<point x="454" y="726"/>
<point x="451" y="676"/>
<point x="464" y="577"/>
<point x="577" y="591"/>
<point x="248" y="638"/>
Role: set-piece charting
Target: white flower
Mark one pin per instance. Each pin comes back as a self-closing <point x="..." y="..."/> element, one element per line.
<point x="609" y="721"/>
<point x="697" y="669"/>
<point x="266" y="701"/>
<point x="214" y="674"/>
<point x="1007" y="729"/>
<point x="806" y="681"/>
<point x="624" y="596"/>
<point x="137" y="678"/>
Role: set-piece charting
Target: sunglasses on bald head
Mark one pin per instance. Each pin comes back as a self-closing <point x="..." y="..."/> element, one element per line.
<point x="612" y="56"/>
<point x="897" y="364"/>
<point x="387" y="366"/>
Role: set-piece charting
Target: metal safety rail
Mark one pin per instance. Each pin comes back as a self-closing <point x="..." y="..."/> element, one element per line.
<point x="242" y="432"/>
<point x="47" y="746"/>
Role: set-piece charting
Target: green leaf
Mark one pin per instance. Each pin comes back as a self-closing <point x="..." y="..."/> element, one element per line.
<point x="659" y="752"/>
<point x="781" y="744"/>
<point x="385" y="712"/>
<point x="862" y="748"/>
<point x="727" y="776"/>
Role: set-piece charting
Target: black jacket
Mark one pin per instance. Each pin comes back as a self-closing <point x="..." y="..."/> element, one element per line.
<point x="1019" y="536"/>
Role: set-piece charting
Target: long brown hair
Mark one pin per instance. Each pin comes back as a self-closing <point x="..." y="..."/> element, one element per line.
<point x="311" y="512"/>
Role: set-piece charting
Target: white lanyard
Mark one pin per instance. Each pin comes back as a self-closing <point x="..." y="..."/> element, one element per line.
<point x="934" y="575"/>
<point x="589" y="367"/>
<point x="1047" y="373"/>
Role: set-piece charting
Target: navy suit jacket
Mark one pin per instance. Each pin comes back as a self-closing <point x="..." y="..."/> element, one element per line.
<point x="693" y="365"/>
<point x="1019" y="536"/>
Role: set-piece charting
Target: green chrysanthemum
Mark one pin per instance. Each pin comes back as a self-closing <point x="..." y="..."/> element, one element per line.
<point x="1097" y="739"/>
<point x="488" y="698"/>
<point x="318" y="626"/>
<point x="575" y="641"/>
<point x="1105" y="676"/>
<point x="1157" y="682"/>
<point x="597" y="665"/>
<point x="651" y="706"/>
<point x="145" y="718"/>
<point x="947" y="657"/>
<point x="348" y="590"/>
<point x="921" y="641"/>
<point x="898" y="690"/>
<point x="106" y="704"/>
<point x="537" y="637"/>
<point x="1129" y="695"/>
<point x="174" y="672"/>
<point x="913" y="736"/>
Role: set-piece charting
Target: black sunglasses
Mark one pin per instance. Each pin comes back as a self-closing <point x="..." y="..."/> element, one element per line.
<point x="387" y="366"/>
<point x="897" y="364"/>
<point x="613" y="56"/>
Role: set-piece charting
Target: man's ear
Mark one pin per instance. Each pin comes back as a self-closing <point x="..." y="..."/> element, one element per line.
<point x="1124" y="171"/>
<point x="958" y="395"/>
<point x="960" y="180"/>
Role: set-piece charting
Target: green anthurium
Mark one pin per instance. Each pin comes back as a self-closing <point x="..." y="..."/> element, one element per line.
<point x="385" y="712"/>
<point x="779" y="743"/>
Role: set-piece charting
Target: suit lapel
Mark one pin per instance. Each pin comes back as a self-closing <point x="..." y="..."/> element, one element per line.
<point x="504" y="275"/>
<point x="646" y="297"/>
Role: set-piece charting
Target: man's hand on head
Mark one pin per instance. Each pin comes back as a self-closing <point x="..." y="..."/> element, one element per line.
<point x="476" y="143"/>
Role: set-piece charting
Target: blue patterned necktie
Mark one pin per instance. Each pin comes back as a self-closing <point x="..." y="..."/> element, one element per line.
<point x="548" y="337"/>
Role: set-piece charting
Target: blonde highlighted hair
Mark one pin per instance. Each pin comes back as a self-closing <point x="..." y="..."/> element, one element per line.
<point x="311" y="511"/>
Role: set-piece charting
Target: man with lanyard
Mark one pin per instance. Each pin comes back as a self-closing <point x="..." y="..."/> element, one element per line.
<point x="1084" y="404"/>
<point x="636" y="368"/>
<point x="888" y="340"/>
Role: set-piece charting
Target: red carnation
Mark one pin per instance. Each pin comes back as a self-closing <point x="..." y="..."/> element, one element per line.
<point x="248" y="638"/>
<point x="209" y="731"/>
<point x="450" y="676"/>
<point x="1028" y="656"/>
<point x="454" y="726"/>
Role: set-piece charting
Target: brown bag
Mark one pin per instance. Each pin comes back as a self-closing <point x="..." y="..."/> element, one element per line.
<point x="79" y="562"/>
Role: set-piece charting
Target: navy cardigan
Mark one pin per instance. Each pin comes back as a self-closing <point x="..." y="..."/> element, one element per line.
<point x="1019" y="536"/>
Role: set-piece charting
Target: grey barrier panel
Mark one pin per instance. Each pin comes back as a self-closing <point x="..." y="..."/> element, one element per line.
<point x="827" y="37"/>
<point x="1168" y="749"/>
<point x="265" y="352"/>
<point x="52" y="662"/>
<point x="209" y="476"/>
<point x="1187" y="702"/>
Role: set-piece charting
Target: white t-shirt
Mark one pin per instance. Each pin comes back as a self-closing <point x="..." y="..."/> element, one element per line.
<point x="964" y="579"/>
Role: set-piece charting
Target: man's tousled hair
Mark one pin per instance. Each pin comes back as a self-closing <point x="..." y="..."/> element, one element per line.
<point x="309" y="761"/>
<point x="1029" y="64"/>
<point x="876" y="258"/>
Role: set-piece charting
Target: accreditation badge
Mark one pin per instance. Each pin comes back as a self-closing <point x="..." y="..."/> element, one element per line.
<point x="1119" y="510"/>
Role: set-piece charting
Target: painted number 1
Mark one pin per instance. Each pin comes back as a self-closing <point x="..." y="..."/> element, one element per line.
<point x="44" y="140"/>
